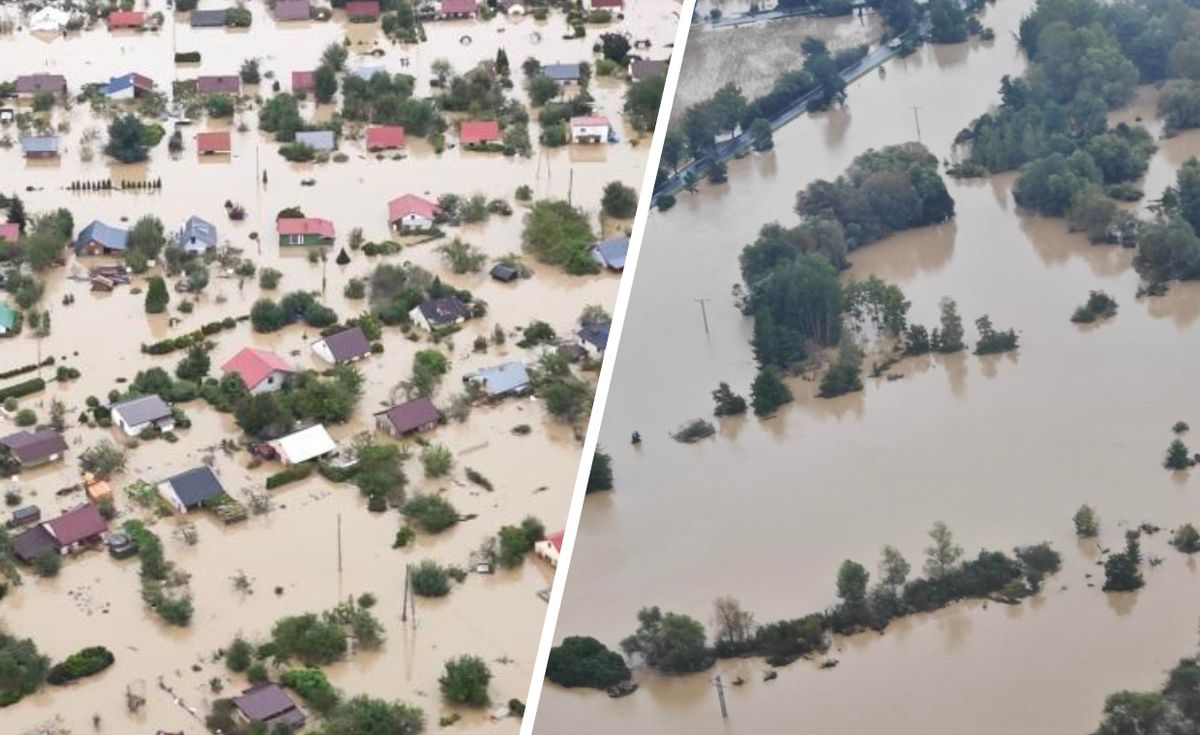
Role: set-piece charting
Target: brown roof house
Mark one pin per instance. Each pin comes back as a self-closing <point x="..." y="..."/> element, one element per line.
<point x="31" y="448"/>
<point x="269" y="705"/>
<point x="409" y="418"/>
<point x="219" y="84"/>
<point x="286" y="10"/>
<point x="438" y="313"/>
<point x="72" y="531"/>
<point x="348" y="345"/>
<point x="29" y="85"/>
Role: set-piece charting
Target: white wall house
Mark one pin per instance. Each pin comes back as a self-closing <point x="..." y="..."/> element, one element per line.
<point x="590" y="129"/>
<point x="134" y="417"/>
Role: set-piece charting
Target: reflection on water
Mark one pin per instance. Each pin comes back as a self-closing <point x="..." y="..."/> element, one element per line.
<point x="95" y="601"/>
<point x="1003" y="449"/>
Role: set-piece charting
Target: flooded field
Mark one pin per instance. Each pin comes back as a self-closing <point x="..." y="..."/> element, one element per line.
<point x="291" y="554"/>
<point x="752" y="56"/>
<point x="1003" y="449"/>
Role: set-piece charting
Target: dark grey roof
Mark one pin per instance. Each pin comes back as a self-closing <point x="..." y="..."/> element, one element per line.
<point x="505" y="273"/>
<point x="645" y="68"/>
<point x="195" y="486"/>
<point x="198" y="234"/>
<point x="142" y="410"/>
<point x="268" y="703"/>
<point x="445" y="310"/>
<point x="562" y="72"/>
<point x="595" y="334"/>
<point x="348" y="344"/>
<point x="33" y="543"/>
<point x="29" y="446"/>
<point x="208" y="18"/>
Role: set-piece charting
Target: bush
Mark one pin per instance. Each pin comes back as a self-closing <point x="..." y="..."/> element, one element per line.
<point x="581" y="661"/>
<point x="291" y="474"/>
<point x="19" y="390"/>
<point x="465" y="681"/>
<point x="430" y="579"/>
<point x="239" y="656"/>
<point x="313" y="687"/>
<point x="431" y="513"/>
<point x="619" y="200"/>
<point x="437" y="461"/>
<point x="84" y="663"/>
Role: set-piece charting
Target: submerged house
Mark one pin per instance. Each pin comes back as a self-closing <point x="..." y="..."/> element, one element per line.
<point x="438" y="313"/>
<point x="149" y="412"/>
<point x="385" y="138"/>
<point x="611" y="253"/>
<point x="453" y="9"/>
<point x="28" y="85"/>
<point x="125" y="20"/>
<point x="8" y="320"/>
<point x="304" y="231"/>
<point x="362" y="11"/>
<point x="72" y="531"/>
<point x="590" y="129"/>
<point x="10" y="232"/>
<point x="261" y="371"/>
<point x="411" y="212"/>
<point x="270" y="706"/>
<point x="219" y="84"/>
<point x="303" y="82"/>
<point x="409" y="417"/>
<point x="348" y="345"/>
<point x="507" y="379"/>
<point x="550" y="547"/>
<point x="304" y="445"/>
<point x="292" y="10"/>
<point x="128" y="86"/>
<point x="475" y="133"/>
<point x="197" y="236"/>
<point x="318" y="140"/>
<point x="593" y="338"/>
<point x="214" y="143"/>
<point x="563" y="73"/>
<point x="208" y="18"/>
<point x="34" y="448"/>
<point x="643" y="69"/>
<point x="192" y="489"/>
<point x="100" y="239"/>
<point x="40" y="146"/>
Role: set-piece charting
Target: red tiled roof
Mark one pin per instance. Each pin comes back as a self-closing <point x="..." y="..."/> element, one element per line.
<point x="556" y="540"/>
<point x="380" y="137"/>
<point x="590" y="121"/>
<point x="303" y="81"/>
<point x="10" y="232"/>
<point x="304" y="226"/>
<point x="228" y="83"/>
<point x="362" y="9"/>
<point x="403" y="206"/>
<point x="76" y="525"/>
<point x="458" y="7"/>
<point x="126" y="19"/>
<point x="218" y="142"/>
<point x="479" y="131"/>
<point x="253" y="365"/>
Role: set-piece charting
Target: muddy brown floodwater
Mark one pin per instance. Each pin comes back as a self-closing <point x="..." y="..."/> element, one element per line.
<point x="95" y="600"/>
<point x="1003" y="449"/>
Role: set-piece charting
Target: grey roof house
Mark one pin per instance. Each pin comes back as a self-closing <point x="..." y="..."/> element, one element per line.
<point x="147" y="412"/>
<point x="508" y="379"/>
<point x="98" y="239"/>
<point x="439" y="313"/>
<point x="28" y="85"/>
<point x="318" y="140"/>
<point x="189" y="490"/>
<point x="197" y="236"/>
<point x="611" y="253"/>
<point x="292" y="10"/>
<point x="594" y="338"/>
<point x="208" y="18"/>
<point x="40" y="146"/>
<point x="562" y="73"/>
<point x="269" y="704"/>
<point x="342" y="347"/>
<point x="407" y="418"/>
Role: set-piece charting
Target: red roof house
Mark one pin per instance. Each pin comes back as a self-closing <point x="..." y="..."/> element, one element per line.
<point x="29" y="85"/>
<point x="457" y="8"/>
<point x="219" y="84"/>
<point x="412" y="212"/>
<point x="479" y="132"/>
<point x="79" y="526"/>
<point x="119" y="19"/>
<point x="10" y="232"/>
<point x="385" y="137"/>
<point x="362" y="10"/>
<point x="304" y="81"/>
<point x="550" y="547"/>
<point x="304" y="231"/>
<point x="214" y="143"/>
<point x="261" y="371"/>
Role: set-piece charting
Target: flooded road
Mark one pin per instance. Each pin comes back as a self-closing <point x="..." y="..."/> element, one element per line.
<point x="1003" y="449"/>
<point x="96" y="600"/>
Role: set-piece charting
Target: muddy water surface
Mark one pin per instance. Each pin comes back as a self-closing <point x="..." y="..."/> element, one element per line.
<point x="1003" y="449"/>
<point x="294" y="548"/>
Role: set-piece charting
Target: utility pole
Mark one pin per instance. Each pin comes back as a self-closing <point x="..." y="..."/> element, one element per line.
<point x="571" y="185"/>
<point x="917" y="117"/>
<point x="404" y="608"/>
<point x="339" y="539"/>
<point x="703" y="312"/>
<point x="721" y="697"/>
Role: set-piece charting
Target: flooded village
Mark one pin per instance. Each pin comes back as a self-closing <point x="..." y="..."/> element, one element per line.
<point x="1003" y="449"/>
<point x="303" y="309"/>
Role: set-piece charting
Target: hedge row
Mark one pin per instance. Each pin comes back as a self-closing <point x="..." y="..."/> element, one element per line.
<point x="26" y="369"/>
<point x="294" y="473"/>
<point x="87" y="662"/>
<point x="185" y="341"/>
<point x="22" y="389"/>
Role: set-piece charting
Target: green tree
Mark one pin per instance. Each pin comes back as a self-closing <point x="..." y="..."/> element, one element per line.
<point x="465" y="681"/>
<point x="1179" y="457"/>
<point x="669" y="642"/>
<point x="728" y="402"/>
<point x="128" y="140"/>
<point x="557" y="233"/>
<point x="581" y="661"/>
<point x="1087" y="523"/>
<point x="943" y="555"/>
<point x="600" y="477"/>
<point x="364" y="715"/>
<point x="768" y="392"/>
<point x="619" y="201"/>
<point x="762" y="134"/>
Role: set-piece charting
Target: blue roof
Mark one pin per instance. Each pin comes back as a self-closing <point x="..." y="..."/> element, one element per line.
<point x="118" y="84"/>
<point x="40" y="144"/>
<point x="611" y="253"/>
<point x="8" y="317"/>
<point x="321" y="140"/>
<point x="511" y="377"/>
<point x="595" y="334"/>
<point x="197" y="235"/>
<point x="562" y="72"/>
<point x="110" y="238"/>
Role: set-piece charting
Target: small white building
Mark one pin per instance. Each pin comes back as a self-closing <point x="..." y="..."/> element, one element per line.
<point x="549" y="548"/>
<point x="590" y="129"/>
<point x="149" y="412"/>
<point x="261" y="371"/>
<point x="304" y="445"/>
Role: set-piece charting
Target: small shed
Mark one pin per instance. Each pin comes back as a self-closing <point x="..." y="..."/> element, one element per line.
<point x="304" y="81"/>
<point x="504" y="273"/>
<point x="99" y="492"/>
<point x="40" y="146"/>
<point x="214" y="143"/>
<point x="191" y="489"/>
<point x="304" y="445"/>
